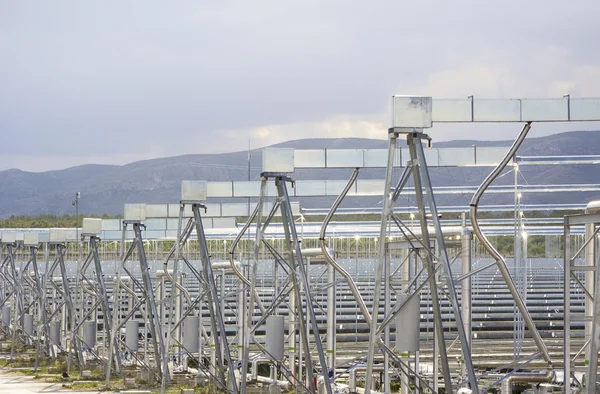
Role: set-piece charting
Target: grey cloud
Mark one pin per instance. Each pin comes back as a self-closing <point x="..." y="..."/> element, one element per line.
<point x="120" y="77"/>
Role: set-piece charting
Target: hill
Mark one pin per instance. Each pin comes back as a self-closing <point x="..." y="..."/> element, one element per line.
<point x="105" y="188"/>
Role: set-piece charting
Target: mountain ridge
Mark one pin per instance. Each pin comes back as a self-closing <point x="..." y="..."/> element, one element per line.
<point x="105" y="187"/>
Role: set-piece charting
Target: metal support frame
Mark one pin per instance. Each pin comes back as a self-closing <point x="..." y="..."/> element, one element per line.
<point x="583" y="261"/>
<point x="15" y="293"/>
<point x="294" y="289"/>
<point x="140" y="297"/>
<point x="425" y="203"/>
<point x="218" y="333"/>
<point x="93" y="285"/>
<point x="65" y="305"/>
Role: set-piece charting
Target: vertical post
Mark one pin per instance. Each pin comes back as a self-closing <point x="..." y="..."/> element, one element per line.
<point x="466" y="241"/>
<point x="414" y="140"/>
<point x="291" y="235"/>
<point x="152" y="310"/>
<point x="406" y="257"/>
<point x="417" y="148"/>
<point x="595" y="337"/>
<point x="589" y="286"/>
<point x="69" y="307"/>
<point x="380" y="262"/>
<point x="387" y="308"/>
<point x="104" y="299"/>
<point x="331" y="317"/>
<point x="214" y="305"/>
<point x="253" y="273"/>
<point x="567" y="305"/>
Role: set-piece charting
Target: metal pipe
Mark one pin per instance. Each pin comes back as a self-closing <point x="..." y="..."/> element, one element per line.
<point x="465" y="290"/>
<point x="286" y="213"/>
<point x="495" y="254"/>
<point x="234" y="267"/>
<point x="351" y="284"/>
<point x="380" y="261"/>
<point x="252" y="283"/>
<point x="421" y="182"/>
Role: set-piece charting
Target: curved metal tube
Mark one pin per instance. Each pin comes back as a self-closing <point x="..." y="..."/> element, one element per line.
<point x="237" y="239"/>
<point x="187" y="232"/>
<point x="234" y="268"/>
<point x="330" y="260"/>
<point x="495" y="254"/>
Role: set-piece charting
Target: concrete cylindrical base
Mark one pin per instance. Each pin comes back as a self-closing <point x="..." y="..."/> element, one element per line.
<point x="89" y="334"/>
<point x="28" y="324"/>
<point x="132" y="330"/>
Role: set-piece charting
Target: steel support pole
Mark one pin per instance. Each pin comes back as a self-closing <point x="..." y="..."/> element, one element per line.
<point x="103" y="299"/>
<point x="428" y="259"/>
<point x="385" y="213"/>
<point x="70" y="313"/>
<point x="331" y="317"/>
<point x="253" y="273"/>
<point x="286" y="211"/>
<point x="214" y="305"/>
<point x="567" y="306"/>
<point x="406" y="257"/>
<point x="465" y="290"/>
<point x="387" y="308"/>
<point x="42" y="303"/>
<point x="18" y="297"/>
<point x="592" y="371"/>
<point x="589" y="286"/>
<point x="151" y="308"/>
<point x="417" y="149"/>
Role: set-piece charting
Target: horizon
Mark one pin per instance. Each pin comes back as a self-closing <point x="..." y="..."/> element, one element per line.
<point x="252" y="149"/>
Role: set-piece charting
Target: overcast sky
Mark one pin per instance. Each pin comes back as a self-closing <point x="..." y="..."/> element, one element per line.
<point x="118" y="81"/>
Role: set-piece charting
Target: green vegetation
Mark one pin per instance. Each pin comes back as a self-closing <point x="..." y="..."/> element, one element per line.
<point x="48" y="221"/>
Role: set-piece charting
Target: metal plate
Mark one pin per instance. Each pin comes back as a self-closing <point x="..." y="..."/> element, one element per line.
<point x="451" y="110"/>
<point x="411" y="112"/>
<point x="295" y="205"/>
<point x="367" y="187"/>
<point x="310" y="188"/>
<point x="57" y="235"/>
<point x="155" y="234"/>
<point x="497" y="110"/>
<point x="344" y="158"/>
<point x="224" y="223"/>
<point x="31" y="239"/>
<point x="219" y="189"/>
<point x="173" y="223"/>
<point x="157" y="210"/>
<point x="9" y="237"/>
<point x="111" y="224"/>
<point x="235" y="209"/>
<point x="431" y="156"/>
<point x="278" y="159"/>
<point x="585" y="109"/>
<point x="156" y="224"/>
<point x="489" y="156"/>
<point x="207" y="223"/>
<point x="111" y="235"/>
<point x="452" y="157"/>
<point x="193" y="190"/>
<point x="246" y="189"/>
<point x="544" y="110"/>
<point x="135" y="211"/>
<point x="212" y="210"/>
<point x="92" y="226"/>
<point x="309" y="158"/>
<point x="335" y="187"/>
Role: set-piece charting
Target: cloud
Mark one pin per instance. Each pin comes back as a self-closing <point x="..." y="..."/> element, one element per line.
<point x="113" y="80"/>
